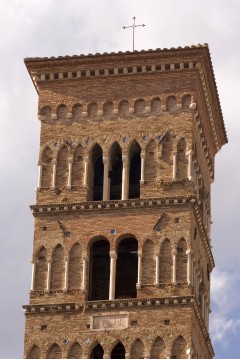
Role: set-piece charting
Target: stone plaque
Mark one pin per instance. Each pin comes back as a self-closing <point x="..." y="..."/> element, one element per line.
<point x="101" y="322"/>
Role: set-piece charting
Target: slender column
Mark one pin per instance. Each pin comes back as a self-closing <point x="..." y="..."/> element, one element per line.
<point x="139" y="279"/>
<point x="49" y="276"/>
<point x="85" y="177"/>
<point x="174" y="274"/>
<point x="168" y="355"/>
<point x="70" y="163"/>
<point x="189" y="266"/>
<point x="190" y="165"/>
<point x="143" y="158"/>
<point x="105" y="178"/>
<point x="157" y="269"/>
<point x="113" y="259"/>
<point x="33" y="275"/>
<point x="125" y="175"/>
<point x="39" y="185"/>
<point x="66" y="274"/>
<point x="54" y="174"/>
<point x="174" y="166"/>
<point x="189" y="353"/>
<point x="84" y="273"/>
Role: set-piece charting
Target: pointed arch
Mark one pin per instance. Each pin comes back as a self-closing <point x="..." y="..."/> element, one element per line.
<point x="77" y="110"/>
<point x="62" y="167"/>
<point x="75" y="267"/>
<point x="123" y="108"/>
<point x="182" y="161"/>
<point x="171" y="103"/>
<point x="78" y="166"/>
<point x="62" y="112"/>
<point x="134" y="170"/>
<point x="139" y="106"/>
<point x="92" y="109"/>
<point x="34" y="353"/>
<point x="96" y="173"/>
<point x="99" y="271"/>
<point x="186" y="102"/>
<point x="46" y="112"/>
<point x="75" y="352"/>
<point x="158" y="350"/>
<point x="54" y="352"/>
<point x="181" y="264"/>
<point x="41" y="269"/>
<point x="156" y="105"/>
<point x="148" y="263"/>
<point x="47" y="167"/>
<point x="118" y="351"/>
<point x="58" y="268"/>
<point x="179" y="348"/>
<point x="97" y="352"/>
<point x="108" y="109"/>
<point x="151" y="161"/>
<point x="115" y="173"/>
<point x="137" y="350"/>
<point x="165" y="262"/>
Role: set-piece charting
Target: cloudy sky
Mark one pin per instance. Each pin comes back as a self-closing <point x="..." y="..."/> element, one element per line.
<point x="30" y="28"/>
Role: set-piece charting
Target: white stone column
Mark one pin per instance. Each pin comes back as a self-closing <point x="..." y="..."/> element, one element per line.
<point x="49" y="276"/>
<point x="174" y="166"/>
<point x="33" y="275"/>
<point x="84" y="273"/>
<point x="157" y="269"/>
<point x="86" y="167"/>
<point x="174" y="273"/>
<point x="125" y="175"/>
<point x="70" y="163"/>
<point x="143" y="161"/>
<point x="106" y="178"/>
<point x="39" y="185"/>
<point x="66" y="274"/>
<point x="190" y="165"/>
<point x="139" y="278"/>
<point x="189" y="353"/>
<point x="54" y="174"/>
<point x="113" y="259"/>
<point x="189" y="266"/>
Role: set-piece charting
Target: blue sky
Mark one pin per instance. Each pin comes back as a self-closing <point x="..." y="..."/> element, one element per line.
<point x="31" y="28"/>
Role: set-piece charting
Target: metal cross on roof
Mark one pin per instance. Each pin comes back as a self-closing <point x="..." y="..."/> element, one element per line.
<point x="133" y="27"/>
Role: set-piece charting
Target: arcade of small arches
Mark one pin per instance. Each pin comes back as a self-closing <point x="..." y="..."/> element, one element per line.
<point x="123" y="108"/>
<point x="158" y="350"/>
<point x="118" y="171"/>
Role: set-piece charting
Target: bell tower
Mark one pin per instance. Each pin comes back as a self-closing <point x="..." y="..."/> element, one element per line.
<point x="122" y="251"/>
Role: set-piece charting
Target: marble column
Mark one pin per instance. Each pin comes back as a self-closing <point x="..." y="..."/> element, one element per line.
<point x="33" y="275"/>
<point x="66" y="274"/>
<point x="174" y="175"/>
<point x="113" y="260"/>
<point x="157" y="269"/>
<point x="125" y="175"/>
<point x="49" y="276"/>
<point x="70" y="164"/>
<point x="189" y="266"/>
<point x="190" y="165"/>
<point x="139" y="279"/>
<point x="143" y="160"/>
<point x="106" y="178"/>
<point x="174" y="273"/>
<point x="86" y="166"/>
<point x="54" y="174"/>
<point x="39" y="185"/>
<point x="84" y="273"/>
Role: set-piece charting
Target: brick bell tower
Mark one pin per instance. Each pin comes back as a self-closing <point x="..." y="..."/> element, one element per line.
<point x="122" y="254"/>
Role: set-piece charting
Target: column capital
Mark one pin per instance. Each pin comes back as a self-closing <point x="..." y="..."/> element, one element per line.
<point x="70" y="160"/>
<point x="113" y="254"/>
<point x="125" y="159"/>
<point x="189" y="251"/>
<point x="143" y="155"/>
<point x="105" y="159"/>
<point x="39" y="163"/>
<point x="85" y="257"/>
<point x="54" y="162"/>
<point x="86" y="158"/>
<point x="174" y="251"/>
<point x="140" y="253"/>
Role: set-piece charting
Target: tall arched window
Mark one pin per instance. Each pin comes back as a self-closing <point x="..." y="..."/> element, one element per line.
<point x="54" y="352"/>
<point x="118" y="351"/>
<point x="151" y="161"/>
<point x="78" y="167"/>
<point x="99" y="270"/>
<point x="137" y="350"/>
<point x="58" y="268"/>
<point x="181" y="268"/>
<point x="47" y="168"/>
<point x="179" y="348"/>
<point x="158" y="350"/>
<point x="96" y="173"/>
<point x="182" y="161"/>
<point x="127" y="268"/>
<point x="75" y="267"/>
<point x="41" y="270"/>
<point x="34" y="353"/>
<point x="116" y="171"/>
<point x="97" y="352"/>
<point x="165" y="262"/>
<point x="148" y="263"/>
<point x="62" y="167"/>
<point x="135" y="170"/>
<point x="75" y="352"/>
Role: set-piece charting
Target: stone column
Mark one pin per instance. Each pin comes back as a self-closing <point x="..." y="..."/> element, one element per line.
<point x="39" y="185"/>
<point x="86" y="166"/>
<point x="189" y="353"/>
<point x="157" y="269"/>
<point x="168" y="355"/>
<point x="106" y="178"/>
<point x="174" y="274"/>
<point x="174" y="166"/>
<point x="113" y="259"/>
<point x="49" y="276"/>
<point x="139" y="279"/>
<point x="143" y="160"/>
<point x="66" y="273"/>
<point x="190" y="165"/>
<point x="70" y="163"/>
<point x="54" y="174"/>
<point x="106" y="356"/>
<point x="125" y="175"/>
<point x="33" y="275"/>
<point x="189" y="266"/>
<point x="84" y="273"/>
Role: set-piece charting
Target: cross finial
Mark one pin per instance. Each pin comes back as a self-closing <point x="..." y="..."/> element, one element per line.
<point x="133" y="27"/>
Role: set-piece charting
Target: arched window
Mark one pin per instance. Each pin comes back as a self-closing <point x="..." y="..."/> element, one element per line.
<point x="118" y="351"/>
<point x="99" y="270"/>
<point x="123" y="108"/>
<point x="75" y="267"/>
<point x="171" y="103"/>
<point x="58" y="268"/>
<point x="47" y="168"/>
<point x="137" y="350"/>
<point x="167" y="157"/>
<point x="135" y="170"/>
<point x="75" y="352"/>
<point x="182" y="161"/>
<point x="62" y="112"/>
<point x="97" y="352"/>
<point x="181" y="267"/>
<point x="151" y="161"/>
<point x="165" y="262"/>
<point x="179" y="348"/>
<point x="62" y="167"/>
<point x="46" y="111"/>
<point x="127" y="267"/>
<point x="41" y="270"/>
<point x="186" y="102"/>
<point x="156" y="105"/>
<point x="148" y="263"/>
<point x="34" y="353"/>
<point x="78" y="167"/>
<point x="158" y="350"/>
<point x="115" y="172"/>
<point x="77" y="112"/>
<point x="96" y="174"/>
<point x="108" y="109"/>
<point x="54" y="352"/>
<point x="139" y="107"/>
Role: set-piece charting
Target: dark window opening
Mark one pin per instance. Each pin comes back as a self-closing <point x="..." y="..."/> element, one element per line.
<point x="99" y="270"/>
<point x="118" y="352"/>
<point x="97" y="352"/>
<point x="135" y="171"/>
<point x="127" y="268"/>
<point x="116" y="172"/>
<point x="98" y="169"/>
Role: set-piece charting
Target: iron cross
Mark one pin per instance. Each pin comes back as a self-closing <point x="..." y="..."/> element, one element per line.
<point x="133" y="26"/>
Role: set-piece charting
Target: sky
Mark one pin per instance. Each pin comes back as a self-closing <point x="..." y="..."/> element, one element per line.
<point x="31" y="28"/>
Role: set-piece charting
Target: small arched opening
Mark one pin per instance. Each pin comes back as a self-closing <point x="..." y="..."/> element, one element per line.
<point x="118" y="351"/>
<point x="97" y="352"/>
<point x="179" y="348"/>
<point x="115" y="173"/>
<point x="135" y="170"/>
